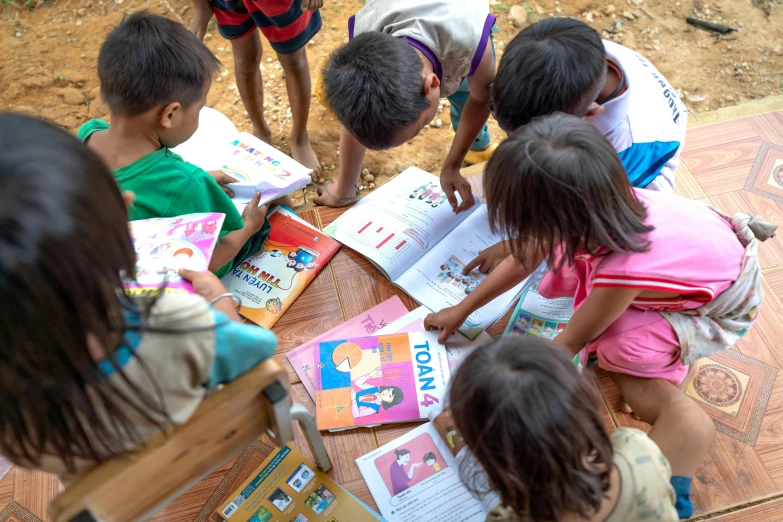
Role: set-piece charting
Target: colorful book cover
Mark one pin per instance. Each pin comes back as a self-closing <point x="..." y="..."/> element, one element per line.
<point x="288" y="487"/>
<point x="271" y="280"/>
<point x="538" y="316"/>
<point x="164" y="245"/>
<point x="381" y="379"/>
<point x="367" y="323"/>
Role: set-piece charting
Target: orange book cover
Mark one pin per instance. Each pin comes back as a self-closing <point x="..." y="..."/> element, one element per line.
<point x="271" y="280"/>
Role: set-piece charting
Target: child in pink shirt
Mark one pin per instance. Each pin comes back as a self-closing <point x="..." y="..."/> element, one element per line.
<point x="658" y="281"/>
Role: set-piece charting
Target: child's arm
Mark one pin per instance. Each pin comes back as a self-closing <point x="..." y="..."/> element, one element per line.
<point x="503" y="278"/>
<point x="208" y="286"/>
<point x="474" y="116"/>
<point x="601" y="308"/>
<point x="253" y="217"/>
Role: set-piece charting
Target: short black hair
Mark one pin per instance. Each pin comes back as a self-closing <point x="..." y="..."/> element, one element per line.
<point x="554" y="65"/>
<point x="373" y="84"/>
<point x="148" y="61"/>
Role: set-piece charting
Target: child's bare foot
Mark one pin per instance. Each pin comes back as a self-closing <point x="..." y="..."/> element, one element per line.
<point x="263" y="133"/>
<point x="304" y="154"/>
<point x="332" y="195"/>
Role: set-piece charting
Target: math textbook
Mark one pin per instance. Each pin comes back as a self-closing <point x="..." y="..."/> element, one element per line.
<point x="164" y="245"/>
<point x="288" y="487"/>
<point x="269" y="281"/>
<point x="408" y="230"/>
<point x="380" y="379"/>
<point x="256" y="166"/>
<point x="366" y="323"/>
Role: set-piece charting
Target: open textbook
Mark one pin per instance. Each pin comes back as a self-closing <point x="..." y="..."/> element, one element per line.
<point x="536" y="315"/>
<point x="380" y="379"/>
<point x="164" y="245"/>
<point x="417" y="476"/>
<point x="409" y="231"/>
<point x="287" y="487"/>
<point x="257" y="166"/>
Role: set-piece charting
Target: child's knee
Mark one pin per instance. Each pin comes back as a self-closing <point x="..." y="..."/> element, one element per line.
<point x="295" y="62"/>
<point x="247" y="62"/>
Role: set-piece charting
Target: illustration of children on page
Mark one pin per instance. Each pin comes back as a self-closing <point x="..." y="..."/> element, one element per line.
<point x="370" y="399"/>
<point x="409" y="464"/>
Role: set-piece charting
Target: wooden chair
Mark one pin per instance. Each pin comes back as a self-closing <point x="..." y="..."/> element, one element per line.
<point x="133" y="486"/>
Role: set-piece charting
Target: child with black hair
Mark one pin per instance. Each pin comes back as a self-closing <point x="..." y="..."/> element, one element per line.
<point x="651" y="296"/>
<point x="155" y="76"/>
<point x="288" y="25"/>
<point x="535" y="427"/>
<point x="384" y="86"/>
<point x="611" y="86"/>
<point x="89" y="371"/>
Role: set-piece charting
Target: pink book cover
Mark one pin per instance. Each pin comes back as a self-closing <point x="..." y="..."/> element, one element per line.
<point x="367" y="323"/>
<point x="164" y="245"/>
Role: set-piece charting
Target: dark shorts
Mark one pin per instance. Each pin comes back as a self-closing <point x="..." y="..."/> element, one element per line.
<point x="282" y="22"/>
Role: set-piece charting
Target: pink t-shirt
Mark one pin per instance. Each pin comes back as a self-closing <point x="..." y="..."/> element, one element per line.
<point x="693" y="252"/>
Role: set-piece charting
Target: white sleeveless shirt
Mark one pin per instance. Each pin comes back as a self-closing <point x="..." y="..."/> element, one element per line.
<point x="452" y="34"/>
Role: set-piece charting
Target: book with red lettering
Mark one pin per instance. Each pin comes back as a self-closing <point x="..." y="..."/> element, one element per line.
<point x="381" y="379"/>
<point x="256" y="166"/>
<point x="271" y="280"/>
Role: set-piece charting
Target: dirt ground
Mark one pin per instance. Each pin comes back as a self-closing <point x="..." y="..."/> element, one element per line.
<point x="48" y="53"/>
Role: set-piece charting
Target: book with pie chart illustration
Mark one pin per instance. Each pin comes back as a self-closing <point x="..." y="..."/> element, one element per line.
<point x="367" y="381"/>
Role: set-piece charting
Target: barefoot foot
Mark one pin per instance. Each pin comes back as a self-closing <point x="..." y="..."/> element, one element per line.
<point x="263" y="133"/>
<point x="332" y="195"/>
<point x="304" y="154"/>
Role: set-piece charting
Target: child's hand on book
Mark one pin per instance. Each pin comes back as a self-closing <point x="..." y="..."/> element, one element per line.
<point x="206" y="284"/>
<point x="254" y="214"/>
<point x="489" y="258"/>
<point x="448" y="320"/>
<point x="223" y="180"/>
<point x="451" y="181"/>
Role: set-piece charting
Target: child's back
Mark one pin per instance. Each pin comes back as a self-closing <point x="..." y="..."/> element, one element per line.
<point x="88" y="371"/>
<point x="155" y="76"/>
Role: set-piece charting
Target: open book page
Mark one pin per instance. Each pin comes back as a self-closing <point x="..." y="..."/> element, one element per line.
<point x="436" y="279"/>
<point x="256" y="166"/>
<point x="416" y="477"/>
<point x="287" y="486"/>
<point x="367" y="323"/>
<point x="538" y="316"/>
<point x="395" y="225"/>
<point x="457" y="347"/>
<point x="444" y="425"/>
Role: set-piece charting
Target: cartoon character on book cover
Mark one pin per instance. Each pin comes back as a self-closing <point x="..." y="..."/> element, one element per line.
<point x="374" y="380"/>
<point x="269" y="281"/>
<point x="409" y="464"/>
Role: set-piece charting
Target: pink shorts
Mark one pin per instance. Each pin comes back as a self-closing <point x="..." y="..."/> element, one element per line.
<point x="640" y="343"/>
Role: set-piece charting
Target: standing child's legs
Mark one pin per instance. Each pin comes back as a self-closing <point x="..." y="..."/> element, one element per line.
<point x="247" y="59"/>
<point x="298" y="85"/>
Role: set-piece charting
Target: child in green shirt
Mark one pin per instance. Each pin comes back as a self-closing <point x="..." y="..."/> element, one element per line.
<point x="155" y="76"/>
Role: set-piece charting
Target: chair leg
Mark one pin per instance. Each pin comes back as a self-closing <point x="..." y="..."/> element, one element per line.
<point x="283" y="431"/>
<point x="312" y="435"/>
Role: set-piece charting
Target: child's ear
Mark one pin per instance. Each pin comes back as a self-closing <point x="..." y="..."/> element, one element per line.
<point x="431" y="81"/>
<point x="594" y="110"/>
<point x="168" y="114"/>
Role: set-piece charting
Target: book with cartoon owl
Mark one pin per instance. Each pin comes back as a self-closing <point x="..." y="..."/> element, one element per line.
<point x="271" y="280"/>
<point x="380" y="379"/>
<point x="256" y="166"/>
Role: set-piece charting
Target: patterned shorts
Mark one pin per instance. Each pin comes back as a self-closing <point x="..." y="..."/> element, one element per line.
<point x="282" y="22"/>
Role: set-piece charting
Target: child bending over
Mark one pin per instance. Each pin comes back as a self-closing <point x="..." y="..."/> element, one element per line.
<point x="609" y="85"/>
<point x="384" y="86"/>
<point x="535" y="426"/>
<point x="155" y="76"/>
<point x="89" y="371"/>
<point x="658" y="281"/>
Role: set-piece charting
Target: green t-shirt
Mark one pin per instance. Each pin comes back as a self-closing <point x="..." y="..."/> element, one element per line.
<point x="165" y="185"/>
